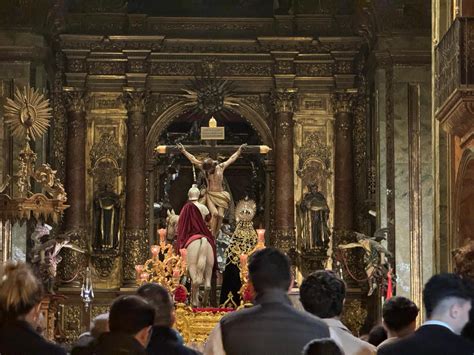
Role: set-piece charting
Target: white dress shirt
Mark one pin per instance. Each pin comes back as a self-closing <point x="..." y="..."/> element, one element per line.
<point x="343" y="337"/>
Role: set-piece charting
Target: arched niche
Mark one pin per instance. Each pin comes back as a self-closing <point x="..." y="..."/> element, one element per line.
<point x="243" y="109"/>
<point x="464" y="201"/>
<point x="175" y="113"/>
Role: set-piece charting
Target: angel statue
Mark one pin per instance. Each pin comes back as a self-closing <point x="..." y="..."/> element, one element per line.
<point x="375" y="256"/>
<point x="45" y="254"/>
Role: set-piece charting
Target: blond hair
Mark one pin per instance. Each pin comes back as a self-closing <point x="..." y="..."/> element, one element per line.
<point x="20" y="290"/>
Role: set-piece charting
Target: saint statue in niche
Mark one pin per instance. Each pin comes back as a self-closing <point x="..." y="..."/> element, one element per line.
<point x="313" y="215"/>
<point x="107" y="208"/>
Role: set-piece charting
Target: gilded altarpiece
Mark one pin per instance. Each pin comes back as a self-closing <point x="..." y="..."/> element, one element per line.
<point x="106" y="141"/>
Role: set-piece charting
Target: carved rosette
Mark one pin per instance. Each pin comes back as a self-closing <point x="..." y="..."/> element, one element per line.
<point x="284" y="100"/>
<point x="135" y="252"/>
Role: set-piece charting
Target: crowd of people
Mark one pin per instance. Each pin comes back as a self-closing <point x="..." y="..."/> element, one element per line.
<point x="143" y="323"/>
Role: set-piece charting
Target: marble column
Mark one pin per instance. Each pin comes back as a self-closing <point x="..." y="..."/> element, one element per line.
<point x="73" y="263"/>
<point x="135" y="247"/>
<point x="343" y="162"/>
<point x="284" y="103"/>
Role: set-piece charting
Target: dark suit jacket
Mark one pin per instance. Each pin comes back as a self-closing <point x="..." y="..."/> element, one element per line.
<point x="19" y="338"/>
<point x="111" y="343"/>
<point x="164" y="341"/>
<point x="430" y="340"/>
<point x="273" y="326"/>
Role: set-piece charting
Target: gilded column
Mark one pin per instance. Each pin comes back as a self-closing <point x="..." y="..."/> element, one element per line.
<point x="343" y="162"/>
<point x="284" y="102"/>
<point x="135" y="247"/>
<point x="73" y="263"/>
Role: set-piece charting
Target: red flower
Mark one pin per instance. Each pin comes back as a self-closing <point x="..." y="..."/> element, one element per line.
<point x="180" y="294"/>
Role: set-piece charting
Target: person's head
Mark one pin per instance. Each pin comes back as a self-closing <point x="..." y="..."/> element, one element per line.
<point x="322" y="293"/>
<point x="20" y="293"/>
<point x="447" y="298"/>
<point x="209" y="165"/>
<point x="325" y="346"/>
<point x="159" y="298"/>
<point x="313" y="187"/>
<point x="132" y="315"/>
<point x="377" y="335"/>
<point x="99" y="325"/>
<point x="269" y="268"/>
<point x="399" y="316"/>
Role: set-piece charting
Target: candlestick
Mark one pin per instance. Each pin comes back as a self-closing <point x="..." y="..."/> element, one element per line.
<point x="139" y="269"/>
<point x="155" y="249"/>
<point x="243" y="261"/>
<point x="184" y="254"/>
<point x="162" y="233"/>
<point x="261" y="236"/>
<point x="144" y="276"/>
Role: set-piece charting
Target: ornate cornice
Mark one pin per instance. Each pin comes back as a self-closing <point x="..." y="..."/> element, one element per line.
<point x="284" y="100"/>
<point x="135" y="100"/>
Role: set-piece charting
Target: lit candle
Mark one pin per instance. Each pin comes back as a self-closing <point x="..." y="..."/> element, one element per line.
<point x="161" y="149"/>
<point x="139" y="269"/>
<point x="261" y="236"/>
<point x="183" y="253"/>
<point x="243" y="260"/>
<point x="144" y="276"/>
<point x="162" y="233"/>
<point x="155" y="249"/>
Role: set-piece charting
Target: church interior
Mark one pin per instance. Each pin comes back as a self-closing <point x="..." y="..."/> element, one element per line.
<point x="345" y="129"/>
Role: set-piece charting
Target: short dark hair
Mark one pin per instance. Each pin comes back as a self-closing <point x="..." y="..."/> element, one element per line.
<point x="325" y="346"/>
<point x="377" y="335"/>
<point x="322" y="293"/>
<point x="443" y="286"/>
<point x="130" y="314"/>
<point x="159" y="298"/>
<point x="269" y="268"/>
<point x="399" y="312"/>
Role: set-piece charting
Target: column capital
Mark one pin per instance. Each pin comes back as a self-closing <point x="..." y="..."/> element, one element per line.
<point x="134" y="99"/>
<point x="75" y="99"/>
<point x="284" y="100"/>
<point x="343" y="102"/>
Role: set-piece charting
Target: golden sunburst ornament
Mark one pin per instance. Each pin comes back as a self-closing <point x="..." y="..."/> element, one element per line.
<point x="28" y="114"/>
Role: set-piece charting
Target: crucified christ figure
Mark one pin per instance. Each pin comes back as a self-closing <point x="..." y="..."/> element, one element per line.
<point x="215" y="197"/>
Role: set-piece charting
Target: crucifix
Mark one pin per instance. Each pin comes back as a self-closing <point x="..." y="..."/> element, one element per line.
<point x="214" y="196"/>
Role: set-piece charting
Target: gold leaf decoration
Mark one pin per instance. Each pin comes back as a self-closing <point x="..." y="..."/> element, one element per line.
<point x="28" y="114"/>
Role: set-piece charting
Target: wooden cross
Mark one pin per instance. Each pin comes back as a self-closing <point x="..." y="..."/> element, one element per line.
<point x="212" y="134"/>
